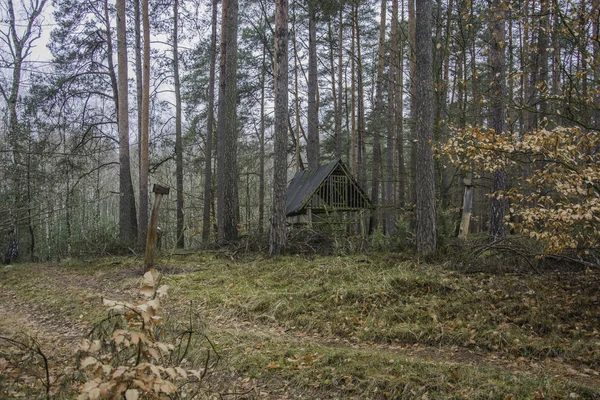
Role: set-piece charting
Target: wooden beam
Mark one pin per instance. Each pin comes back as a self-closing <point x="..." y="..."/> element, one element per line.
<point x="159" y="191"/>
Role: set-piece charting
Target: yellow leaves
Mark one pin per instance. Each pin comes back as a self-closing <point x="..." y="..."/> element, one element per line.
<point x="162" y="291"/>
<point x="273" y="365"/>
<point x="149" y="283"/>
<point x="132" y="394"/>
<point x="88" y="361"/>
<point x="137" y="337"/>
<point x="558" y="203"/>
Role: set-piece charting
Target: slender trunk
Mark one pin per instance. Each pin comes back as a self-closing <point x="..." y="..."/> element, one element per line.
<point x="30" y="205"/>
<point x="297" y="103"/>
<point x="399" y="111"/>
<point x="584" y="54"/>
<point x="460" y="62"/>
<point x="497" y="122"/>
<point x="391" y="120"/>
<point x="313" y="149"/>
<point x="261" y="173"/>
<point x="443" y="103"/>
<point x="543" y="61"/>
<point x="354" y="139"/>
<point x="362" y="147"/>
<point x="278" y="235"/>
<point x="109" y="58"/>
<point x="338" y="126"/>
<point x="127" y="214"/>
<point x="210" y="120"/>
<point x="378" y="119"/>
<point x="425" y="192"/>
<point x="529" y="73"/>
<point x="413" y="94"/>
<point x="596" y="64"/>
<point x="227" y="179"/>
<point x="145" y="128"/>
<point x="556" y="62"/>
<point x="178" y="140"/>
<point x="335" y="96"/>
<point x="138" y="81"/>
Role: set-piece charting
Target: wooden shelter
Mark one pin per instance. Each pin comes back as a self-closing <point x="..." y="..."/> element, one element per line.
<point x="328" y="188"/>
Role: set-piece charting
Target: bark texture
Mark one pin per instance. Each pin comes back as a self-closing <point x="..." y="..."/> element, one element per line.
<point x="210" y="121"/>
<point x="227" y="179"/>
<point x="145" y="128"/>
<point x="313" y="149"/>
<point x="178" y="140"/>
<point x="393" y="129"/>
<point x="378" y="119"/>
<point x="278" y="234"/>
<point x="497" y="119"/>
<point x="425" y="189"/>
<point x="127" y="215"/>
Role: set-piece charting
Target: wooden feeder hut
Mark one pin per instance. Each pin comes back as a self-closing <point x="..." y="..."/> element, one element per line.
<point x="324" y="190"/>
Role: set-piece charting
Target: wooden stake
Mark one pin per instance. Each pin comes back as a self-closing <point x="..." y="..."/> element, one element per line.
<point x="467" y="209"/>
<point x="159" y="191"/>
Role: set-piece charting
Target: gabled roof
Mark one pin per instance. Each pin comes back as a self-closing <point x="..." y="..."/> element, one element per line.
<point x="306" y="183"/>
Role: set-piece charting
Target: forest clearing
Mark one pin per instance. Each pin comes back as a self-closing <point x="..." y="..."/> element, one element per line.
<point x="376" y="325"/>
<point x="391" y="199"/>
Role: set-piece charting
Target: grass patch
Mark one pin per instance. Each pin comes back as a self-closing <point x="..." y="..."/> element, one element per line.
<point x="376" y="298"/>
<point x="362" y="326"/>
<point x="318" y="371"/>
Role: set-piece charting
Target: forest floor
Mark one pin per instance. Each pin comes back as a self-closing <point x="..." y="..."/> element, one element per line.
<point x="368" y="326"/>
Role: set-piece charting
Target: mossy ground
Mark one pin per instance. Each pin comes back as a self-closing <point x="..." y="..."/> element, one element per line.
<point x="376" y="325"/>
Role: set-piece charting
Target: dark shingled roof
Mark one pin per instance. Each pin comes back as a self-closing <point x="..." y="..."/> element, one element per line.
<point x="305" y="184"/>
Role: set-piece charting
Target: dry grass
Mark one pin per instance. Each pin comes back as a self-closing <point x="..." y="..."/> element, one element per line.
<point x="365" y="326"/>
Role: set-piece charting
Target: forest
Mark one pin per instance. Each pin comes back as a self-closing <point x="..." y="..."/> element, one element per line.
<point x="500" y="110"/>
<point x="349" y="199"/>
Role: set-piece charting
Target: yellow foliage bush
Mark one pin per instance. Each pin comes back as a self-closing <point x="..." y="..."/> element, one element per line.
<point x="555" y="196"/>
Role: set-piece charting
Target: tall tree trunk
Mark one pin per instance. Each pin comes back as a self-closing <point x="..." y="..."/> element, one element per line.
<point x="399" y="111"/>
<point x="278" y="237"/>
<point x="145" y="128"/>
<point x="227" y="179"/>
<point x="556" y="63"/>
<point x="335" y="94"/>
<point x="529" y="72"/>
<point x="583" y="72"/>
<point x="109" y="59"/>
<point x="261" y="139"/>
<point x="426" y="231"/>
<point x="353" y="132"/>
<point x="313" y="149"/>
<point x="297" y="103"/>
<point x="178" y="140"/>
<point x="210" y="121"/>
<point x="596" y="65"/>
<point x="144" y="138"/>
<point x="361" y="124"/>
<point x="137" y="16"/>
<point x="497" y="120"/>
<point x="413" y="94"/>
<point x="127" y="214"/>
<point x="338" y="126"/>
<point x="378" y="119"/>
<point x="542" y="85"/>
<point x="391" y="120"/>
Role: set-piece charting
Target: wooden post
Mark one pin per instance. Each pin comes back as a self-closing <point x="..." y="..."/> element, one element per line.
<point x="467" y="209"/>
<point x="159" y="191"/>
